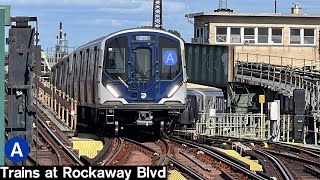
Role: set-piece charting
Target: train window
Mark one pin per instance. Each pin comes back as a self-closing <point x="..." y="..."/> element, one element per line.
<point x="78" y="66"/>
<point x="84" y="64"/>
<point x="143" y="64"/>
<point x="116" y="58"/>
<point x="90" y="61"/>
<point x="170" y="59"/>
<point x="220" y="104"/>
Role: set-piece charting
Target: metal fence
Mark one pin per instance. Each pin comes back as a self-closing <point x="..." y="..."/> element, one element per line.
<point x="252" y="126"/>
<point x="64" y="107"/>
<point x="304" y="64"/>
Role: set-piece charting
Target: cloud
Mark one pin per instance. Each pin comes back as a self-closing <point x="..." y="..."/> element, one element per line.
<point x="89" y="3"/>
<point x="145" y="23"/>
<point x="144" y="6"/>
<point x="112" y="22"/>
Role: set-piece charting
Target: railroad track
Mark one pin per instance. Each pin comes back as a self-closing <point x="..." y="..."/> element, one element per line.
<point x="278" y="169"/>
<point x="64" y="154"/>
<point x="124" y="151"/>
<point x="296" y="164"/>
<point x="289" y="161"/>
<point x="221" y="162"/>
<point x="164" y="154"/>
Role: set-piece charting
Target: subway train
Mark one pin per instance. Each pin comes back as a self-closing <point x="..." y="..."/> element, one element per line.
<point x="135" y="77"/>
<point x="199" y="103"/>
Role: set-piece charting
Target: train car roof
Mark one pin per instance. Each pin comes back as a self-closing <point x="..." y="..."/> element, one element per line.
<point x="210" y="89"/>
<point x="98" y="40"/>
<point x="205" y="91"/>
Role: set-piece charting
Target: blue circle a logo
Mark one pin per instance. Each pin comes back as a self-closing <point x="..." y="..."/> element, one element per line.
<point x="16" y="149"/>
<point x="170" y="57"/>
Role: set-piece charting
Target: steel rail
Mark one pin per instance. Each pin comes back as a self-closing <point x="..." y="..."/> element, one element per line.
<point x="59" y="142"/>
<point x="177" y="164"/>
<point x="219" y="157"/>
<point x="280" y="166"/>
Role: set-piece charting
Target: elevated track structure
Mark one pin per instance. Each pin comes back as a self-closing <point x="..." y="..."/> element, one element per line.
<point x="280" y="74"/>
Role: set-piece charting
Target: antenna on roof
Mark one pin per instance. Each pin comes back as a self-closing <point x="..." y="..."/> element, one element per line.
<point x="188" y="16"/>
<point x="275" y="6"/>
<point x="223" y="6"/>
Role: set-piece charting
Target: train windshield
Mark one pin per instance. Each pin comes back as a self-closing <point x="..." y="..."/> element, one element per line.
<point x="143" y="64"/>
<point x="116" y="58"/>
<point x="170" y="59"/>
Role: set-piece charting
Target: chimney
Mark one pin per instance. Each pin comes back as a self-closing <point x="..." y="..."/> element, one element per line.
<point x="296" y="9"/>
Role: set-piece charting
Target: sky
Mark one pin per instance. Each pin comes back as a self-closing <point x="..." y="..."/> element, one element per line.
<point x="85" y="20"/>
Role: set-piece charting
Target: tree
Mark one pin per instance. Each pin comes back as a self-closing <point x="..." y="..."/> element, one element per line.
<point x="175" y="33"/>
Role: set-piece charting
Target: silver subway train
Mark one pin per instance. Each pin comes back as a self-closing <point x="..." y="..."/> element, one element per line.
<point x="132" y="77"/>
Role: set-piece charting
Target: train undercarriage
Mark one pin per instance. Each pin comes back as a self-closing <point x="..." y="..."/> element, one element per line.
<point x="116" y="122"/>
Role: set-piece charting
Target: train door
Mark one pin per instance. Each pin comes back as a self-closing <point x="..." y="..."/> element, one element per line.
<point x="143" y="72"/>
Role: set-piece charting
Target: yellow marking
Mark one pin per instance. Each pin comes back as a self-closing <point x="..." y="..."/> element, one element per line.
<point x="293" y="143"/>
<point x="254" y="166"/>
<point x="265" y="145"/>
<point x="88" y="148"/>
<point x="252" y="144"/>
<point x="175" y="175"/>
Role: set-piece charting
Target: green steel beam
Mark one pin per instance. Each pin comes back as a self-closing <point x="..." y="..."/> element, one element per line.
<point x="4" y="20"/>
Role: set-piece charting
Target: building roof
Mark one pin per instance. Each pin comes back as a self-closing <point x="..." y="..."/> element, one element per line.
<point x="193" y="15"/>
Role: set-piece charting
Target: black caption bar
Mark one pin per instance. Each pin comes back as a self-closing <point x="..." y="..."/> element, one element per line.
<point x="74" y="172"/>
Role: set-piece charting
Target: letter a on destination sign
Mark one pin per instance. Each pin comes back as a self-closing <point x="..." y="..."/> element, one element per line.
<point x="170" y="57"/>
<point x="17" y="149"/>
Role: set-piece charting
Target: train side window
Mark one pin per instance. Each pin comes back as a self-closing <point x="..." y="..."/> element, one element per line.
<point x="79" y="65"/>
<point x="62" y="75"/>
<point x="66" y="75"/>
<point x="83" y="64"/>
<point x="95" y="73"/>
<point x="216" y="103"/>
<point x="59" y="76"/>
<point x="86" y="64"/>
<point x="90" y="61"/>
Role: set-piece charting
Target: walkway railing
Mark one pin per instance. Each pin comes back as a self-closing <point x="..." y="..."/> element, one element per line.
<point x="245" y="126"/>
<point x="64" y="107"/>
<point x="281" y="74"/>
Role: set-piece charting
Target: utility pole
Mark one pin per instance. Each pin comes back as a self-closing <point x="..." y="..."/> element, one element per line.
<point x="157" y="14"/>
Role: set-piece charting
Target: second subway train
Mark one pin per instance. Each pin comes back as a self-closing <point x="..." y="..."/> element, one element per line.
<point x="132" y="77"/>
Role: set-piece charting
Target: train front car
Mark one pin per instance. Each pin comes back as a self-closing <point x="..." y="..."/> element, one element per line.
<point x="143" y="79"/>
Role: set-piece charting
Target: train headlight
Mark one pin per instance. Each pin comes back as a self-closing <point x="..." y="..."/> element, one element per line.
<point x="113" y="91"/>
<point x="173" y="90"/>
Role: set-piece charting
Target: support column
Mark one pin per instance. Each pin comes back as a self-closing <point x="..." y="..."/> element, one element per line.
<point x="4" y="16"/>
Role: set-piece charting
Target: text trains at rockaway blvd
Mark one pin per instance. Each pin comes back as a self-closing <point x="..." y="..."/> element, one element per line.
<point x="131" y="77"/>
